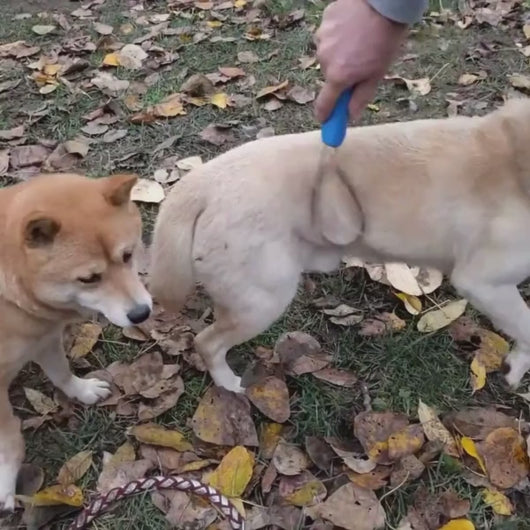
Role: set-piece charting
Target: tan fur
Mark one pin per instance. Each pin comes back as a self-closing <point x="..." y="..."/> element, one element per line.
<point x="450" y="193"/>
<point x="54" y="230"/>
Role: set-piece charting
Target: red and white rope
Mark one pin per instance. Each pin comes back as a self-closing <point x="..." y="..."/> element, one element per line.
<point x="101" y="503"/>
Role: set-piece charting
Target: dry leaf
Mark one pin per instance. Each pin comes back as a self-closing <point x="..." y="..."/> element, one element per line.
<point x="420" y="87"/>
<point x="247" y="57"/>
<point x="355" y="461"/>
<point x="10" y="134"/>
<point x="458" y="524"/>
<point x="405" y="442"/>
<point x="4" y="161"/>
<point x="131" y="56"/>
<point x="406" y="470"/>
<point x="319" y="452"/>
<point x="172" y="389"/>
<point x="505" y="457"/>
<point x="468" y="79"/>
<point x="29" y="480"/>
<point x="478" y="375"/>
<point x="302" y="490"/>
<point x="337" y="377"/>
<point x="439" y="318"/>
<point x="270" y="434"/>
<point x="478" y="422"/>
<point x="223" y="418"/>
<point x="114" y="135"/>
<point x="109" y="84"/>
<point x="289" y="459"/>
<point x="187" y="164"/>
<point x="150" y="433"/>
<point x="76" y="147"/>
<point x="42" y="29"/>
<point x="434" y="429"/>
<point x="344" y="315"/>
<point x="217" y="134"/>
<point x="233" y="72"/>
<point x="86" y="338"/>
<point x="103" y="29"/>
<point x="300" y="95"/>
<point x="271" y="397"/>
<point x="412" y="303"/>
<point x="183" y="510"/>
<point x="351" y="508"/>
<point x="400" y="276"/>
<point x="148" y="191"/>
<point x="520" y="81"/>
<point x="28" y="155"/>
<point x="271" y="90"/>
<point x="373" y="480"/>
<point x="41" y="403"/>
<point x="468" y="445"/>
<point x="381" y="324"/>
<point x="234" y="472"/>
<point x="74" y="468"/>
<point x="499" y="503"/>
<point x="300" y="353"/>
<point x="58" y="494"/>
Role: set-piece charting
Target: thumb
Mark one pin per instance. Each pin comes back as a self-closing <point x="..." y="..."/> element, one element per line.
<point x="362" y="95"/>
<point x="326" y="100"/>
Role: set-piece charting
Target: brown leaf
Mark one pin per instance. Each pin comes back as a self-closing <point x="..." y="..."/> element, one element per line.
<point x="95" y="129"/>
<point x="406" y="470"/>
<point x="183" y="510"/>
<point x="247" y="57"/>
<point x="273" y="104"/>
<point x="353" y="459"/>
<point x="351" y="508"/>
<point x="18" y="49"/>
<point x="76" y="147"/>
<point x="74" y="468"/>
<point x="232" y="72"/>
<point x="381" y="324"/>
<point x="217" y="134"/>
<point x="28" y="155"/>
<point x="4" y="161"/>
<point x="10" y="134"/>
<point x="29" y="480"/>
<point x="405" y="442"/>
<point x="86" y="338"/>
<point x="478" y="422"/>
<point x="271" y="397"/>
<point x="41" y="403"/>
<point x="302" y="490"/>
<point x="164" y="402"/>
<point x="109" y="84"/>
<point x="223" y="418"/>
<point x="272" y="90"/>
<point x="336" y="377"/>
<point x="300" y="95"/>
<point x="300" y="353"/>
<point x="122" y="473"/>
<point x="319" y="452"/>
<point x="103" y="29"/>
<point x="373" y="480"/>
<point x="113" y="135"/>
<point x="373" y="430"/>
<point x="198" y="85"/>
<point x="505" y="458"/>
<point x="289" y="459"/>
<point x="270" y="435"/>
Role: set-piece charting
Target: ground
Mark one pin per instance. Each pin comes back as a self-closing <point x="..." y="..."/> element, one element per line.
<point x="397" y="369"/>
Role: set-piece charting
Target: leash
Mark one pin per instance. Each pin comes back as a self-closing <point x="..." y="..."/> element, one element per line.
<point x="102" y="502"/>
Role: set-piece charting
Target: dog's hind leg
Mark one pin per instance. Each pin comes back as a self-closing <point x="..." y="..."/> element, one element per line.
<point x="505" y="307"/>
<point x="236" y="324"/>
<point x="11" y="451"/>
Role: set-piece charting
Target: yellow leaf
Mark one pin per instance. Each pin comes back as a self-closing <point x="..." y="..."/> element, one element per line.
<point x="72" y="470"/>
<point x="86" y="338"/>
<point x="58" y="494"/>
<point x="467" y="79"/>
<point x="111" y="59"/>
<point x="234" y="472"/>
<point x="526" y="30"/>
<point x="214" y="23"/>
<point x="434" y="429"/>
<point x="407" y="441"/>
<point x="412" y="303"/>
<point x="270" y="434"/>
<point x="458" y="524"/>
<point x="499" y="503"/>
<point x="150" y="433"/>
<point x="307" y="494"/>
<point x="51" y="69"/>
<point x="41" y="403"/>
<point x="373" y="107"/>
<point x="376" y="450"/>
<point x="124" y="453"/>
<point x="238" y="503"/>
<point x="240" y="3"/>
<point x="196" y="465"/>
<point x="493" y="349"/>
<point x="48" y="89"/>
<point x="439" y="318"/>
<point x="478" y="375"/>
<point x="468" y="445"/>
<point x="169" y="107"/>
<point x="219" y="100"/>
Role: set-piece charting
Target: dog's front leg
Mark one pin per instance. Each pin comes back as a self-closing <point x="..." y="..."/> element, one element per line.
<point x="54" y="363"/>
<point x="505" y="307"/>
<point x="11" y="450"/>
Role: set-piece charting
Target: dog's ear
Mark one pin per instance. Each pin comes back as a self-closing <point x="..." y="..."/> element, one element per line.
<point x="40" y="231"/>
<point x="118" y="188"/>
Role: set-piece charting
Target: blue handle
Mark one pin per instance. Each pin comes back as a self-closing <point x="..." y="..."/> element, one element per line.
<point x="334" y="128"/>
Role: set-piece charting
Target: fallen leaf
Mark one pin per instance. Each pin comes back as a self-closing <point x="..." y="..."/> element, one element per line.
<point x="400" y="276"/>
<point x="381" y="324"/>
<point x="300" y="95"/>
<point x="505" y="458"/>
<point x="86" y="338"/>
<point x="406" y="470"/>
<point x="29" y="480"/>
<point x="131" y="56"/>
<point x="520" y="81"/>
<point x="28" y="155"/>
<point x="111" y="59"/>
<point x="114" y="135"/>
<point x="374" y="429"/>
<point x="103" y="29"/>
<point x="216" y="134"/>
<point x="41" y="403"/>
<point x="58" y="494"/>
<point x="42" y="29"/>
<point x="232" y="72"/>
<point x="373" y="480"/>
<point x="273" y="104"/>
<point x="198" y="85"/>
<point x="492" y="351"/>
<point x="478" y="375"/>
<point x="289" y="459"/>
<point x="468" y="79"/>
<point x="150" y="433"/>
<point x="439" y="318"/>
<point x="117" y="475"/>
<point x="10" y="134"/>
<point x="337" y="377"/>
<point x="458" y="524"/>
<point x="357" y="462"/>
<point x="319" y="452"/>
<point x="352" y="508"/>
<point x="187" y="164"/>
<point x="421" y="87"/>
<point x="412" y="303"/>
<point x="299" y="353"/>
<point x="435" y="430"/>
<point x="223" y="418"/>
<point x="109" y="84"/>
<point x="247" y="57"/>
<point x="234" y="472"/>
<point x="478" y="422"/>
<point x="271" y="397"/>
<point x="74" y="468"/>
<point x="219" y="100"/>
<point x="302" y="490"/>
<point x="406" y="441"/>
<point x="344" y="315"/>
<point x="4" y="161"/>
<point x="165" y="400"/>
<point x="183" y="510"/>
<point x="148" y="191"/>
<point x="76" y="147"/>
<point x="499" y="503"/>
<point x="270" y="434"/>
<point x="272" y="90"/>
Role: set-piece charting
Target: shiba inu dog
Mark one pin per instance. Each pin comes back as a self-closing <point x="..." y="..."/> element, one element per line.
<point x="449" y="193"/>
<point x="67" y="248"/>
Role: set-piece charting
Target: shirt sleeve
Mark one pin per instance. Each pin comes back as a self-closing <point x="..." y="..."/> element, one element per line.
<point x="404" y="11"/>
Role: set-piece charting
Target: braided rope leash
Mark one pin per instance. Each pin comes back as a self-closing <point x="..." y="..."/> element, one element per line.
<point x="101" y="503"/>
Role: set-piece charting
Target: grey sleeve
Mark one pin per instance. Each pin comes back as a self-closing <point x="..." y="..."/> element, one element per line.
<point x="404" y="11"/>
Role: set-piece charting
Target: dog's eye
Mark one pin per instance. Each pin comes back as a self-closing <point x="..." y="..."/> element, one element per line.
<point x="93" y="278"/>
<point x="127" y="256"/>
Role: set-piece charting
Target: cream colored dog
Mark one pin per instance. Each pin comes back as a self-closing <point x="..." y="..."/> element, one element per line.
<point x="450" y="193"/>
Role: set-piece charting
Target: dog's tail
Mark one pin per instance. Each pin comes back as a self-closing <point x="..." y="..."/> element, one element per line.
<point x="171" y="275"/>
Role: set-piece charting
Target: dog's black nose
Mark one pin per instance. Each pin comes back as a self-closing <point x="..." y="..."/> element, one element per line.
<point x="139" y="313"/>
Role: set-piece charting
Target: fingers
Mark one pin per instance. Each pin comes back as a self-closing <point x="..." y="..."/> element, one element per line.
<point x="326" y="100"/>
<point x="363" y="94"/>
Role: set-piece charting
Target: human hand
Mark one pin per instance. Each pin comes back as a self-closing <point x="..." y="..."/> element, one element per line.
<point x="355" y="47"/>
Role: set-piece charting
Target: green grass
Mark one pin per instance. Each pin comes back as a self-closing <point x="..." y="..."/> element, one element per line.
<point x="397" y="370"/>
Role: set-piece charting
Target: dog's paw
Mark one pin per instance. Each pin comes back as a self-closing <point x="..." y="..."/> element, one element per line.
<point x="88" y="391"/>
<point x="7" y="489"/>
<point x="514" y="368"/>
<point x="234" y="385"/>
<point x="7" y="503"/>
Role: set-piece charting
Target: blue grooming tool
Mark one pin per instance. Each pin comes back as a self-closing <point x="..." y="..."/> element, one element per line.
<point x="334" y="128"/>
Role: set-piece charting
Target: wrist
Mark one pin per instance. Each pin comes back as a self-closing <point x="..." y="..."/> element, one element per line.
<point x="401" y="12"/>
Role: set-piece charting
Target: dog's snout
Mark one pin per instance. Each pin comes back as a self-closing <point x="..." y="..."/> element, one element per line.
<point x="139" y="313"/>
